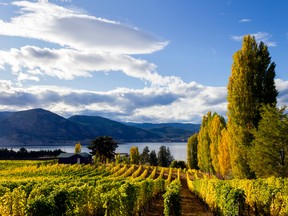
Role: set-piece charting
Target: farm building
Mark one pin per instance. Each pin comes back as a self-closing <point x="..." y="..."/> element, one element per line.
<point x="73" y="158"/>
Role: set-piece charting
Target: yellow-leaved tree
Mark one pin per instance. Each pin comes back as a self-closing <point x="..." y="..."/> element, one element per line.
<point x="224" y="154"/>
<point x="77" y="148"/>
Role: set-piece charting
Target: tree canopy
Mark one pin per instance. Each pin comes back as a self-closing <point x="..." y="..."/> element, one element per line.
<point x="251" y="84"/>
<point x="144" y="157"/>
<point x="134" y="155"/>
<point x="270" y="144"/>
<point x="77" y="148"/>
<point x="164" y="156"/>
<point x="103" y="147"/>
<point x="192" y="144"/>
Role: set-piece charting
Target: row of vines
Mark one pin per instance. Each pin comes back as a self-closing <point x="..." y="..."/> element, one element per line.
<point x="44" y="188"/>
<point x="267" y="196"/>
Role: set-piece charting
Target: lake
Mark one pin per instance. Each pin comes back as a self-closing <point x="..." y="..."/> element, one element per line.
<point x="178" y="149"/>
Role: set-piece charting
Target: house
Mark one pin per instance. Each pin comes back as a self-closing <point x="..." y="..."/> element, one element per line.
<point x="73" y="158"/>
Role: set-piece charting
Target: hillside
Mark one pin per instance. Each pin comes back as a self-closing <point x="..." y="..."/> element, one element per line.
<point x="170" y="131"/>
<point x="102" y="126"/>
<point x="39" y="126"/>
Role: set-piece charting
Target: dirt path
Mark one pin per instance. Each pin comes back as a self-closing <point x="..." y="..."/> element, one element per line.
<point x="190" y="204"/>
<point x="156" y="208"/>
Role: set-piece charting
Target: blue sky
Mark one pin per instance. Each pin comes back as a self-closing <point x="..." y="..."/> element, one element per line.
<point x="131" y="60"/>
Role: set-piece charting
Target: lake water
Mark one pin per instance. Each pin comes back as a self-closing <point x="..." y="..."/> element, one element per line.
<point x="178" y="149"/>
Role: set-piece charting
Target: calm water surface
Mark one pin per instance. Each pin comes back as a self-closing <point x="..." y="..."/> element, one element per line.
<point x="178" y="149"/>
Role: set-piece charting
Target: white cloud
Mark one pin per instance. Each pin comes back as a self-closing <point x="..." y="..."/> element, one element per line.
<point x="244" y="20"/>
<point x="67" y="64"/>
<point x="89" y="44"/>
<point x="259" y="36"/>
<point x="48" y="22"/>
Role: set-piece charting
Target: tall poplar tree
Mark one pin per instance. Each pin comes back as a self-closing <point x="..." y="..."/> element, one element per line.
<point x="192" y="152"/>
<point x="203" y="151"/>
<point x="216" y="125"/>
<point x="209" y="138"/>
<point x="251" y="84"/>
<point x="224" y="154"/>
<point x="134" y="155"/>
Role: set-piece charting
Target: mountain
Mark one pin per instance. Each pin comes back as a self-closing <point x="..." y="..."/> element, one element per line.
<point x="4" y="115"/>
<point x="170" y="131"/>
<point x="102" y="126"/>
<point x="40" y="126"/>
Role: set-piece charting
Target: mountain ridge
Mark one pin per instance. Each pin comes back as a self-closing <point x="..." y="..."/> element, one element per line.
<point x="40" y="126"/>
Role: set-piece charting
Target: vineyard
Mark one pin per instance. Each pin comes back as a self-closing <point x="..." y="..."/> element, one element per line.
<point x="47" y="188"/>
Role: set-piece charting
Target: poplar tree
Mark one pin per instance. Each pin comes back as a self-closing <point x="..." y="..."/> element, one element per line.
<point x="134" y="155"/>
<point x="203" y="151"/>
<point x="192" y="152"/>
<point x="224" y="154"/>
<point x="77" y="148"/>
<point x="251" y="84"/>
<point x="216" y="125"/>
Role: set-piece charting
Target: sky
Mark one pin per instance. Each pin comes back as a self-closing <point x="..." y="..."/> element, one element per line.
<point x="132" y="61"/>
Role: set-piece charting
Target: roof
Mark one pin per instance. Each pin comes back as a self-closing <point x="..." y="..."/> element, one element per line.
<point x="68" y="155"/>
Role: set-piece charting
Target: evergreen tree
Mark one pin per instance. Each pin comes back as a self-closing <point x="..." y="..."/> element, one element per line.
<point x="251" y="83"/>
<point x="268" y="156"/>
<point x="134" y="155"/>
<point x="103" y="147"/>
<point x="153" y="160"/>
<point x="145" y="157"/>
<point x="165" y="157"/>
<point x="170" y="157"/>
<point x="192" y="152"/>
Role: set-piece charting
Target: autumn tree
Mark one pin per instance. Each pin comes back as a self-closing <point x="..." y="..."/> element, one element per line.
<point x="192" y="152"/>
<point x="203" y="151"/>
<point x="269" y="152"/>
<point x="224" y="154"/>
<point x="103" y="147"/>
<point x="134" y="155"/>
<point x="251" y="84"/>
<point x="77" y="148"/>
<point x="216" y="125"/>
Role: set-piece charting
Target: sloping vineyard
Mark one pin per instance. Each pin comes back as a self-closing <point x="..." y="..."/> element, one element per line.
<point x="47" y="188"/>
<point x="241" y="197"/>
<point x="35" y="188"/>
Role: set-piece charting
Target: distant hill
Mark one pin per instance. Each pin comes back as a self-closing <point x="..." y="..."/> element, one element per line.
<point x="102" y="126"/>
<point x="4" y="115"/>
<point x="172" y="131"/>
<point x="42" y="127"/>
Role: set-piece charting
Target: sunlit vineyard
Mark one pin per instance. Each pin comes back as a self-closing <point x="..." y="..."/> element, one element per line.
<point x="241" y="196"/>
<point x="47" y="188"/>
